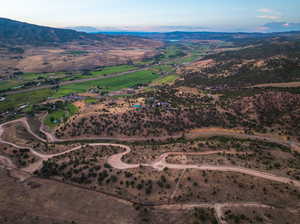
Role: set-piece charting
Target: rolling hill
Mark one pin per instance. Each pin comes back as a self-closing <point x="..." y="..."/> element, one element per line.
<point x="27" y="47"/>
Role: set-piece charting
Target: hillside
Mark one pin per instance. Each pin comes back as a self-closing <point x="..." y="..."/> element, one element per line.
<point x="268" y="61"/>
<point x="15" y="32"/>
<point x="30" y="48"/>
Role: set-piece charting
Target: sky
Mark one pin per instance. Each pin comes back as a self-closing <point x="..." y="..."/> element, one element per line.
<point x="149" y="15"/>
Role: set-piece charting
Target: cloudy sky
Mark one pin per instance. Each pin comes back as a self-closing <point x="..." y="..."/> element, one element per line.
<point x="147" y="14"/>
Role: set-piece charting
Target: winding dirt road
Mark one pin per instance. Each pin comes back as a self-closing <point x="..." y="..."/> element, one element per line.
<point x="207" y="133"/>
<point x="159" y="164"/>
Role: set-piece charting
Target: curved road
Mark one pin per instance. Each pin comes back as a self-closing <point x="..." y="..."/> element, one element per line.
<point x="294" y="145"/>
<point x="160" y="164"/>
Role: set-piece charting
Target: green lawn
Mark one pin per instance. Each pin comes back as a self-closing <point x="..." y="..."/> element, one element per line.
<point x="29" y="98"/>
<point x="110" y="84"/>
<point x="60" y="116"/>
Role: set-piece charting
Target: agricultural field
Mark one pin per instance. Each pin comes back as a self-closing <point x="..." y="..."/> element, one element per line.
<point x="114" y="69"/>
<point x="173" y="51"/>
<point x="109" y="84"/>
<point x="4" y="85"/>
<point x="104" y="85"/>
<point x="29" y="98"/>
<point x="27" y="80"/>
<point x="164" y="68"/>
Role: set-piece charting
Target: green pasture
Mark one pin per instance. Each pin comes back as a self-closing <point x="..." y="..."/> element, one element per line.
<point x="109" y="84"/>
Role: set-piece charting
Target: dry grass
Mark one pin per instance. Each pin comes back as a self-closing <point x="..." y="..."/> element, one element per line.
<point x="260" y="215"/>
<point x="201" y="186"/>
<point x="43" y="201"/>
<point x="283" y="84"/>
<point x="61" y="58"/>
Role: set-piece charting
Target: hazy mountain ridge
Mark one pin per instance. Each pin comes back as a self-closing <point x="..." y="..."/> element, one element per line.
<point x="15" y="32"/>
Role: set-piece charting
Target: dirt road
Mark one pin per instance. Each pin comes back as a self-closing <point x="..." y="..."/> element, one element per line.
<point x="218" y="207"/>
<point x="294" y="145"/>
<point x="159" y="164"/>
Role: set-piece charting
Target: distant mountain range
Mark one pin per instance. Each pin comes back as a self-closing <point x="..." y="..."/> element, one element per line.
<point x="266" y="28"/>
<point x="20" y="33"/>
<point x="86" y="29"/>
<point x="153" y="29"/>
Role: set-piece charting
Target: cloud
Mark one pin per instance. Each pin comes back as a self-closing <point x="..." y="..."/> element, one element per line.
<point x="265" y="10"/>
<point x="272" y="17"/>
<point x="280" y="27"/>
<point x="268" y="14"/>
